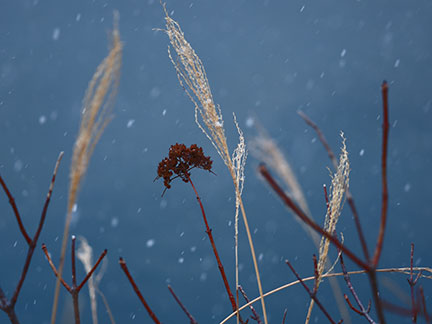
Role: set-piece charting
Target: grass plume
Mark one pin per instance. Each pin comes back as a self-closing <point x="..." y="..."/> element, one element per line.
<point x="96" y="114"/>
<point x="193" y="78"/>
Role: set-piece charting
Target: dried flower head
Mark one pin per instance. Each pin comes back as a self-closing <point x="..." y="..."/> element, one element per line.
<point x="180" y="161"/>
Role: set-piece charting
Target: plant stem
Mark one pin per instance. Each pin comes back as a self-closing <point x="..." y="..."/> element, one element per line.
<point x="218" y="260"/>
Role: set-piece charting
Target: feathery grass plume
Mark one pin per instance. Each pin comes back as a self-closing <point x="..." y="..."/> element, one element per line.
<point x="192" y="77"/>
<point x="239" y="157"/>
<point x="340" y="183"/>
<point x="265" y="149"/>
<point x="97" y="106"/>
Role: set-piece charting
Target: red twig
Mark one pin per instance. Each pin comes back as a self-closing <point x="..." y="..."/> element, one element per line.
<point x="423" y="302"/>
<point x="218" y="260"/>
<point x="311" y="294"/>
<point x="189" y="315"/>
<point x="255" y="316"/>
<point x="284" y="316"/>
<point x="16" y="212"/>
<point x="48" y="256"/>
<point x="90" y="273"/>
<point x="124" y="267"/>
<point x="297" y="211"/>
<point x="73" y="289"/>
<point x="384" y="206"/>
<point x="362" y="311"/>
<point x="9" y="306"/>
<point x="349" y="196"/>
<point x="412" y="282"/>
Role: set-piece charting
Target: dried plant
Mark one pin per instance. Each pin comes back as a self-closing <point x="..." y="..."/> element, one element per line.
<point x="339" y="185"/>
<point x="178" y="164"/>
<point x="97" y="106"/>
<point x="193" y="78"/>
<point x="265" y="149"/>
<point x="74" y="289"/>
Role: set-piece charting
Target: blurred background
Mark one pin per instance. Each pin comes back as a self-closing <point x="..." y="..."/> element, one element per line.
<point x="265" y="60"/>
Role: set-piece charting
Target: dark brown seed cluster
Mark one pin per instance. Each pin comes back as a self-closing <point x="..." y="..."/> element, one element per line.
<point x="180" y="161"/>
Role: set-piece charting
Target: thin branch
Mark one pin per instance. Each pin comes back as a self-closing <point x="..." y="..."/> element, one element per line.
<point x="297" y="211"/>
<point x="189" y="315"/>
<point x="402" y="270"/>
<point x="384" y="206"/>
<point x="362" y="311"/>
<point x="423" y="302"/>
<point x="213" y="244"/>
<point x="349" y="196"/>
<point x="9" y="306"/>
<point x="284" y="316"/>
<point x="255" y="316"/>
<point x="16" y="212"/>
<point x="125" y="269"/>
<point x="74" y="290"/>
<point x="412" y="282"/>
<point x="50" y="262"/>
<point x="90" y="273"/>
<point x="311" y="294"/>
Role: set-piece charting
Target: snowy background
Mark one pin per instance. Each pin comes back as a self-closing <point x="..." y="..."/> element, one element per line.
<point x="265" y="60"/>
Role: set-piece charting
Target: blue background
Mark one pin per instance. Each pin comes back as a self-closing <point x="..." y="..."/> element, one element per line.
<point x="264" y="59"/>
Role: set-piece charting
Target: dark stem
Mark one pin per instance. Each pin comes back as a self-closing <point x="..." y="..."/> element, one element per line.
<point x="363" y="311"/>
<point x="75" y="302"/>
<point x="209" y="233"/>
<point x="74" y="282"/>
<point x="74" y="291"/>
<point x="255" y="316"/>
<point x="189" y="315"/>
<point x="349" y="196"/>
<point x="384" y="206"/>
<point x="375" y="293"/>
<point x="125" y="269"/>
<point x="311" y="294"/>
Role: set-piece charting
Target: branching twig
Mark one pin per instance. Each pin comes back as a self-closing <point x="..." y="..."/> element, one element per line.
<point x="311" y="294"/>
<point x="6" y="305"/>
<point x="73" y="289"/>
<point x="255" y="316"/>
<point x="362" y="311"/>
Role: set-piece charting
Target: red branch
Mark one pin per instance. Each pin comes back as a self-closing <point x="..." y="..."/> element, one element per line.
<point x="6" y="305"/>
<point x="384" y="206"/>
<point x="311" y="294"/>
<point x="218" y="260"/>
<point x="188" y="314"/>
<point x="362" y="311"/>
<point x="125" y="269"/>
<point x="73" y="289"/>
